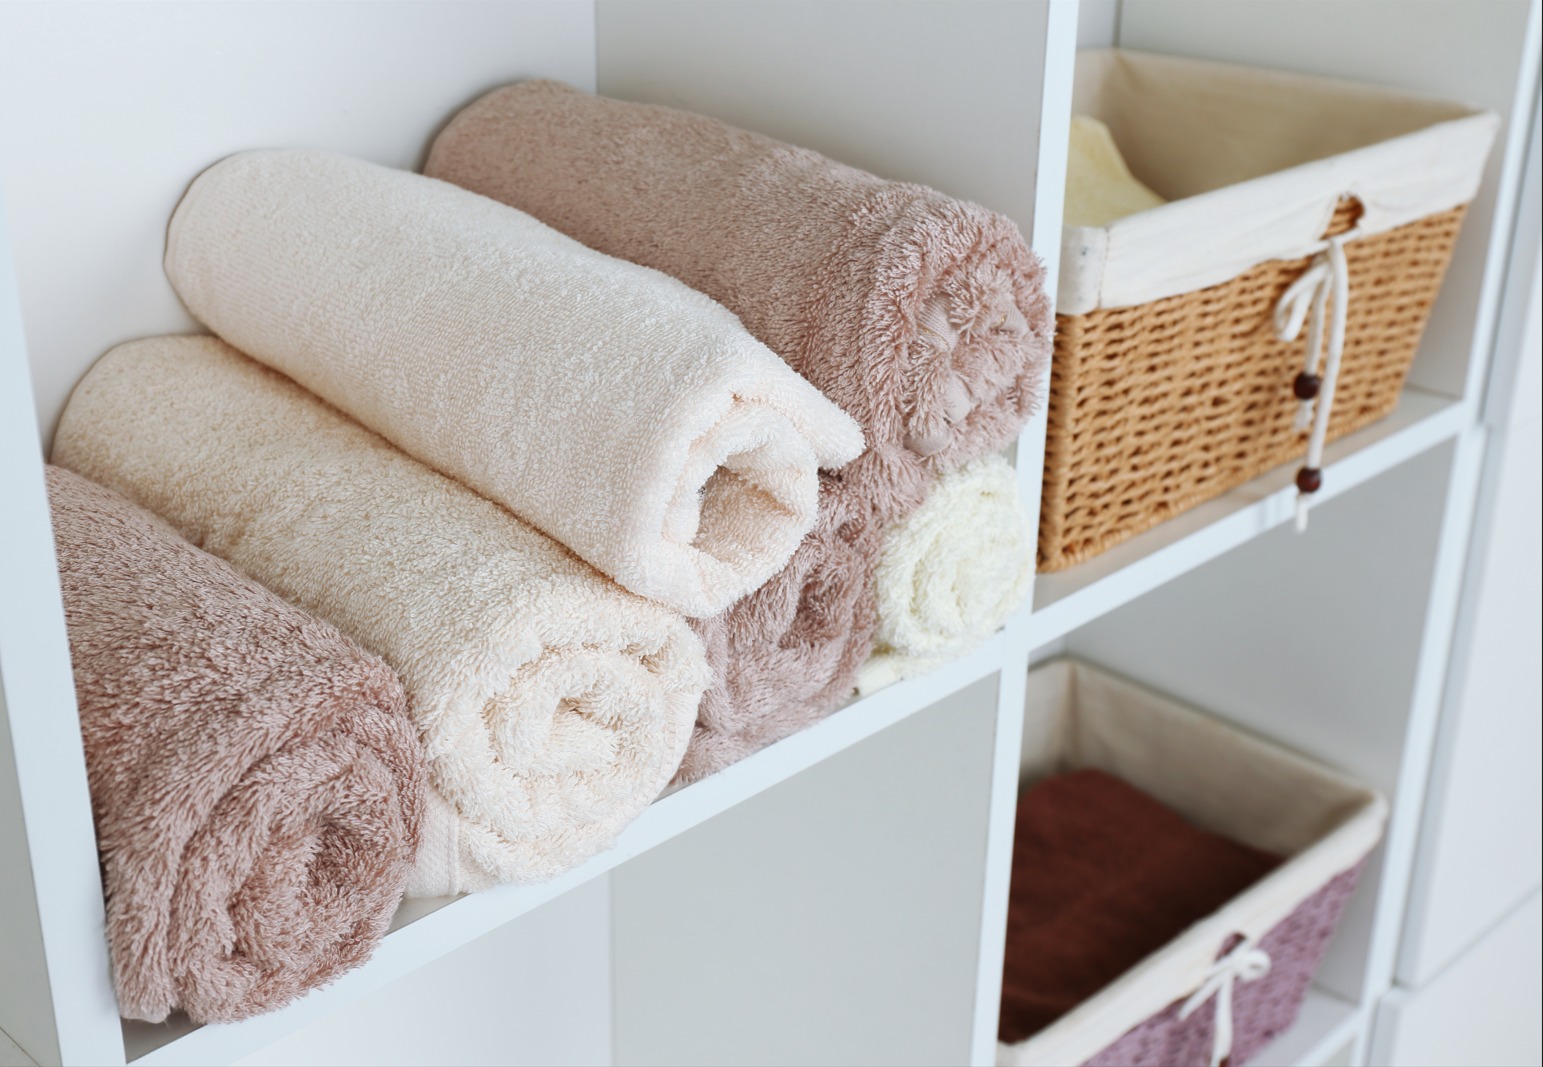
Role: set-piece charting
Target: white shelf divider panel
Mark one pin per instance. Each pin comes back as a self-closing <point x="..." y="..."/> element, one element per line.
<point x="55" y="1000"/>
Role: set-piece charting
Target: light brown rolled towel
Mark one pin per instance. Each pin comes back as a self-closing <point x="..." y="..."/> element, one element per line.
<point x="922" y="316"/>
<point x="553" y="705"/>
<point x="788" y="654"/>
<point x="611" y="407"/>
<point x="256" y="783"/>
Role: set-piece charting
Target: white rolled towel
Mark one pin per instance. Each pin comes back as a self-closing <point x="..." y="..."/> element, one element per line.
<point x="553" y="705"/>
<point x="623" y="413"/>
<point x="951" y="572"/>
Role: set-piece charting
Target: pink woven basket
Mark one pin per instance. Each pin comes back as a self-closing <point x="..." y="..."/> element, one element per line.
<point x="1262" y="1010"/>
<point x="1252" y="961"/>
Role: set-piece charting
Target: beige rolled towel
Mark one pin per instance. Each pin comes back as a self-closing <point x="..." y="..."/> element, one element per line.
<point x="553" y="705"/>
<point x="1099" y="186"/>
<point x="626" y="415"/>
<point x="951" y="572"/>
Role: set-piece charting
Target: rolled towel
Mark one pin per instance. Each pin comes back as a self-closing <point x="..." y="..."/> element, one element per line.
<point x="627" y="416"/>
<point x="1099" y="186"/>
<point x="923" y="317"/>
<point x="787" y="655"/>
<point x="951" y="572"/>
<point x="553" y="705"/>
<point x="256" y="784"/>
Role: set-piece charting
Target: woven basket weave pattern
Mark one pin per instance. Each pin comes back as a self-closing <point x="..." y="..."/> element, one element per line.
<point x="1262" y="1009"/>
<point x="1159" y="407"/>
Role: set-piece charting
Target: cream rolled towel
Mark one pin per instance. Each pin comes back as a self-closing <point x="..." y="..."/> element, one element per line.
<point x="1099" y="186"/>
<point x="951" y="572"/>
<point x="553" y="705"/>
<point x="626" y="415"/>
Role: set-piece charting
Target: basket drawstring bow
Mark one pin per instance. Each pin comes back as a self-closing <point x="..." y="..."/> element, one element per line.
<point x="1323" y="286"/>
<point x="1245" y="963"/>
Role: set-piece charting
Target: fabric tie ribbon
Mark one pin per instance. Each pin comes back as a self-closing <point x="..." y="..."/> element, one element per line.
<point x="1245" y="963"/>
<point x="1318" y="297"/>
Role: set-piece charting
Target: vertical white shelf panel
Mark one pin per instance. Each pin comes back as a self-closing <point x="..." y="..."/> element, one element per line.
<point x="55" y="999"/>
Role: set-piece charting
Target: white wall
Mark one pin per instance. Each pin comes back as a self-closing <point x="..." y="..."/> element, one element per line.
<point x="108" y="110"/>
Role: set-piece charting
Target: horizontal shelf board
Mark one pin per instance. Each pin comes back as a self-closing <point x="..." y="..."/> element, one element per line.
<point x="1065" y="600"/>
<point x="425" y="930"/>
<point x="1326" y="1025"/>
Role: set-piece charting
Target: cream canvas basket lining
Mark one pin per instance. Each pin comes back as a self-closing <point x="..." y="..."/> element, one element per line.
<point x="1253" y="163"/>
<point x="1219" y="778"/>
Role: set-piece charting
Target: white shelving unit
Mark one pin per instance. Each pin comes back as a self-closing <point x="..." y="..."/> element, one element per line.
<point x="840" y="896"/>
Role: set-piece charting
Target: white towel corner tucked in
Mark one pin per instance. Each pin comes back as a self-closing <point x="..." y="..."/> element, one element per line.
<point x="626" y="415"/>
<point x="951" y="572"/>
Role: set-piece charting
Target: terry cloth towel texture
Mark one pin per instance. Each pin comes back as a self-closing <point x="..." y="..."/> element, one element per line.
<point x="627" y="416"/>
<point x="951" y="572"/>
<point x="922" y="316"/>
<point x="553" y="705"/>
<point x="256" y="784"/>
<point x="1103" y="875"/>
<point x="1099" y="186"/>
<point x="788" y="654"/>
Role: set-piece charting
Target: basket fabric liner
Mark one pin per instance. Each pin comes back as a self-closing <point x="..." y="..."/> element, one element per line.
<point x="1218" y="778"/>
<point x="1253" y="163"/>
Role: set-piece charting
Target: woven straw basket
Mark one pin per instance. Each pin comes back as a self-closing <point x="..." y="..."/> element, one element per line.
<point x="1170" y="384"/>
<point x="1230" y="783"/>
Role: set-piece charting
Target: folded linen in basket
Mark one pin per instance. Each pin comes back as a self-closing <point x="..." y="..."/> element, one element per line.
<point x="922" y="316"/>
<point x="1099" y="186"/>
<point x="627" y="416"/>
<point x="1103" y="875"/>
<point x="951" y="572"/>
<point x="787" y="655"/>
<point x="256" y="784"/>
<point x="553" y="705"/>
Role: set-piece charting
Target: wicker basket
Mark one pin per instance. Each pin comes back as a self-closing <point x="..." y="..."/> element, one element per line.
<point x="1170" y="385"/>
<point x="1232" y="784"/>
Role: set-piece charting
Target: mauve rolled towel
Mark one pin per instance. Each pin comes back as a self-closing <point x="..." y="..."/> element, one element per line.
<point x="256" y="783"/>
<point x="923" y="317"/>
<point x="1103" y="875"/>
<point x="788" y="654"/>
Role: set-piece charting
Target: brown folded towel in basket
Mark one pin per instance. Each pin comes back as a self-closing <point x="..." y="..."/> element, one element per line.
<point x="256" y="784"/>
<point x="1103" y="875"/>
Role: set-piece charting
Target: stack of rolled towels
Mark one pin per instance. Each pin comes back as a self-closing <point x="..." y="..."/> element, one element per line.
<point x="504" y="496"/>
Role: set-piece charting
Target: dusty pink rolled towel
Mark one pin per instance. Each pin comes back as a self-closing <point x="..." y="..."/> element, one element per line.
<point x="921" y="316"/>
<point x="256" y="784"/>
<point x="788" y="654"/>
